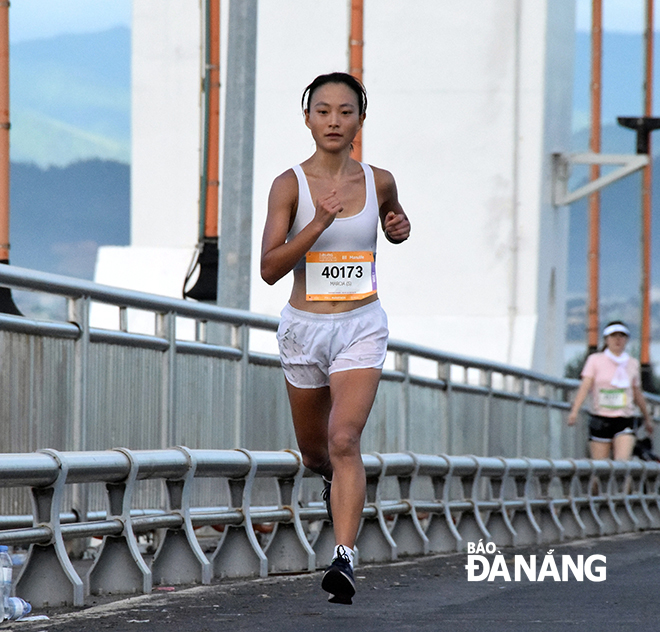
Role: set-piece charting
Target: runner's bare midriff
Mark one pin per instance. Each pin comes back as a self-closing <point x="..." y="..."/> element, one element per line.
<point x="299" y="301"/>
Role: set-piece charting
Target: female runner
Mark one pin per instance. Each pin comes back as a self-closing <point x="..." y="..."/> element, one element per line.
<point x="612" y="378"/>
<point x="322" y="223"/>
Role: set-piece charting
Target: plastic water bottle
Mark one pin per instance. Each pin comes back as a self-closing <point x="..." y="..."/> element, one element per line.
<point x="17" y="608"/>
<point x="6" y="568"/>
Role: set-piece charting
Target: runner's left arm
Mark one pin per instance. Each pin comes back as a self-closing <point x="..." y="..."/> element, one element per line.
<point x="394" y="221"/>
<point x="638" y="396"/>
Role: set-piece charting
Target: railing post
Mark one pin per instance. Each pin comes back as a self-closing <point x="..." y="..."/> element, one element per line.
<point x="617" y="497"/>
<point x="523" y="520"/>
<point x="180" y="559"/>
<point x="238" y="553"/>
<point x="407" y="531"/>
<point x="119" y="566"/>
<point x="444" y="373"/>
<point x="166" y="328"/>
<point x="442" y="534"/>
<point x="241" y="340"/>
<point x="520" y="415"/>
<point x="402" y="364"/>
<point x="551" y="527"/>
<point x="374" y="542"/>
<point x="635" y="504"/>
<point x="123" y="318"/>
<point x="649" y="492"/>
<point x="288" y="549"/>
<point x="599" y="497"/>
<point x="79" y="315"/>
<point x="79" y="310"/>
<point x="486" y="380"/>
<point x="48" y="577"/>
<point x="499" y="523"/>
<point x="201" y="330"/>
<point x="586" y="509"/>
<point x="471" y="525"/>
<point x="568" y="512"/>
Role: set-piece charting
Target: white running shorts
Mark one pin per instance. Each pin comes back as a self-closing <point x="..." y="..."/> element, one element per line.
<point x="312" y="346"/>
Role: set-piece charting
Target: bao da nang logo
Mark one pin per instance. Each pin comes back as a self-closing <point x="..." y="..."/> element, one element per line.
<point x="533" y="568"/>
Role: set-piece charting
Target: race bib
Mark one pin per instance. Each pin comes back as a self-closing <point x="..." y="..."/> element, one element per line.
<point x="614" y="398"/>
<point x="340" y="276"/>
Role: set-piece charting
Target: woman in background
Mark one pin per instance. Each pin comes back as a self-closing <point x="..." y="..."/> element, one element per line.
<point x="612" y="378"/>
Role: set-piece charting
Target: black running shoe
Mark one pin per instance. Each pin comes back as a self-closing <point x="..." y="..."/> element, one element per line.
<point x="325" y="495"/>
<point x="338" y="579"/>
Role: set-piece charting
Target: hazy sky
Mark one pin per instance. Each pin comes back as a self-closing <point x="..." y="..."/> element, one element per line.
<point x="618" y="15"/>
<point x="32" y="19"/>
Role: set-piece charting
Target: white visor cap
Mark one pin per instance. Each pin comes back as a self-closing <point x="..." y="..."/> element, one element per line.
<point x="618" y="328"/>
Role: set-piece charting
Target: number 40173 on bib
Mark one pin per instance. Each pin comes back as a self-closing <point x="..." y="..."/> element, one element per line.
<point x="340" y="276"/>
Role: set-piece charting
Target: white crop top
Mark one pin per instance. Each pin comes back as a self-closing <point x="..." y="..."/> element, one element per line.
<point x="356" y="233"/>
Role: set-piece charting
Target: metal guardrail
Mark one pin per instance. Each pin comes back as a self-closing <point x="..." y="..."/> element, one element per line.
<point x="416" y="504"/>
<point x="76" y="390"/>
<point x="71" y="386"/>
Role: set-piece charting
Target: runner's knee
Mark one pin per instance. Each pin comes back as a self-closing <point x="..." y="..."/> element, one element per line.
<point x="344" y="443"/>
<point x="318" y="462"/>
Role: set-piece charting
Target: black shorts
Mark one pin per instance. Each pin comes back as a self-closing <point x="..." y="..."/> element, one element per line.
<point x="606" y="428"/>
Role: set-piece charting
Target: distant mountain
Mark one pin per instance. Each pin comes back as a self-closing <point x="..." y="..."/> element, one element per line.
<point x="71" y="98"/>
<point x="627" y="310"/>
<point x="70" y="149"/>
<point x="60" y="215"/>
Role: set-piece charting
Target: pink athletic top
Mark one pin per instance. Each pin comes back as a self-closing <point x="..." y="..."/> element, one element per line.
<point x="608" y="400"/>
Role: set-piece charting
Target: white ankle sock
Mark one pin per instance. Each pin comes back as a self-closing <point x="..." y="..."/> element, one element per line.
<point x="341" y="548"/>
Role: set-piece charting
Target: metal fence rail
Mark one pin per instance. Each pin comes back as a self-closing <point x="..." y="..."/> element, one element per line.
<point x="416" y="504"/>
<point x="72" y="386"/>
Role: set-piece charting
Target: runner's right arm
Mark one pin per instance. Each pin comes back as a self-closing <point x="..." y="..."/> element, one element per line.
<point x="581" y="395"/>
<point x="279" y="256"/>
